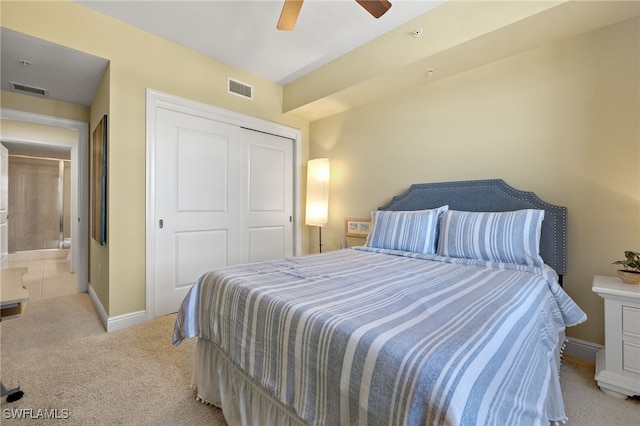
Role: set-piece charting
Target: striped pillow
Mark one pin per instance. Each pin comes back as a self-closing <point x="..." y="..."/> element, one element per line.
<point x="414" y="231"/>
<point x="507" y="237"/>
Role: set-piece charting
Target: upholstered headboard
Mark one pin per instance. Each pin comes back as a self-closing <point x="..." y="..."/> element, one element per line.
<point x="492" y="195"/>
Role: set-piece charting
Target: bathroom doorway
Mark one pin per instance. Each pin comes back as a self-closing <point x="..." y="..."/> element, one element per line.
<point x="29" y="135"/>
<point x="39" y="235"/>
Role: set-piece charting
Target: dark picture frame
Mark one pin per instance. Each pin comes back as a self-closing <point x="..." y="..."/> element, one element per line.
<point x="99" y="183"/>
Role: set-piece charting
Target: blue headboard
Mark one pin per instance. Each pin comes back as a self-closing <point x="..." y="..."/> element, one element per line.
<point x="492" y="195"/>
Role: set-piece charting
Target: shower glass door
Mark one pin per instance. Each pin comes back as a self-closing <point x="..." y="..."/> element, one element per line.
<point x="38" y="202"/>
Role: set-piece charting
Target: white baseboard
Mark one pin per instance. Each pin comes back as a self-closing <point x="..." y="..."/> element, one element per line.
<point x="582" y="349"/>
<point x="118" y="322"/>
<point x="98" y="305"/>
<point x="127" y="320"/>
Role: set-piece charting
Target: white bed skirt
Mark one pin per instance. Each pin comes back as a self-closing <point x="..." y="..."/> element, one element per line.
<point x="221" y="383"/>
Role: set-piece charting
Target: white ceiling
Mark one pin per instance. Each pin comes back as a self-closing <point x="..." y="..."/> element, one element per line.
<point x="240" y="33"/>
<point x="243" y="33"/>
<point x="67" y="74"/>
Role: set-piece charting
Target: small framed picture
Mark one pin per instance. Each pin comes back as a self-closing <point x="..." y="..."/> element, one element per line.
<point x="357" y="227"/>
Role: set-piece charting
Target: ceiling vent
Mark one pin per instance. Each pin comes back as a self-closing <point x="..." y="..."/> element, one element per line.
<point x="239" y="88"/>
<point x="30" y="90"/>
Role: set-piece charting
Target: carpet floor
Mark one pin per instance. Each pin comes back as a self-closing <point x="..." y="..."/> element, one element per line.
<point x="70" y="368"/>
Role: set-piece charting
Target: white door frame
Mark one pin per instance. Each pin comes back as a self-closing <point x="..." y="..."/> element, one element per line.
<point x="156" y="99"/>
<point x="79" y="182"/>
<point x="4" y="201"/>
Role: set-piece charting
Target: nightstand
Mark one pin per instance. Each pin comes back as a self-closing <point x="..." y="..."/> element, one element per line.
<point x="618" y="363"/>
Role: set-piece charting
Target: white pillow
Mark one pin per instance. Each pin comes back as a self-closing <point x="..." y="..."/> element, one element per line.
<point x="413" y="231"/>
<point x="508" y="237"/>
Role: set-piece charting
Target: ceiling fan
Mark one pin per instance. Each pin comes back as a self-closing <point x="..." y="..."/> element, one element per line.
<point x="291" y="9"/>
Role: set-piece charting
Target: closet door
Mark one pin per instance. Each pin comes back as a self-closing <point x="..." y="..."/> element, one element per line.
<point x="198" y="210"/>
<point x="223" y="197"/>
<point x="269" y="207"/>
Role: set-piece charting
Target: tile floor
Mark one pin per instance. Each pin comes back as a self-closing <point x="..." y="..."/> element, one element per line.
<point x="49" y="273"/>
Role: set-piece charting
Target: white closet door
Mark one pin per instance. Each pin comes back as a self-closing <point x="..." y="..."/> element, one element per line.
<point x="269" y="214"/>
<point x="224" y="196"/>
<point x="199" y="215"/>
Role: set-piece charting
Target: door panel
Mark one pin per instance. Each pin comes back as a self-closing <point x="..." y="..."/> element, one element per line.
<point x="196" y="252"/>
<point x="266" y="243"/>
<point x="202" y="171"/>
<point x="266" y="177"/>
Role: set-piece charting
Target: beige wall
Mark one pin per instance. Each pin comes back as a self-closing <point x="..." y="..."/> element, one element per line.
<point x="99" y="255"/>
<point x="560" y="120"/>
<point x="35" y="132"/>
<point x="138" y="61"/>
<point x="36" y="105"/>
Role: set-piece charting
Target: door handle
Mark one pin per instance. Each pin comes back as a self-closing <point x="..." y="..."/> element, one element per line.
<point x="161" y="223"/>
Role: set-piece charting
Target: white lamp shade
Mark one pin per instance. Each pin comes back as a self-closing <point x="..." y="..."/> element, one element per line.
<point x="317" y="192"/>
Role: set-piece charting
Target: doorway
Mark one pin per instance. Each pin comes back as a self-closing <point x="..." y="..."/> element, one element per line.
<point x="78" y="177"/>
<point x="38" y="200"/>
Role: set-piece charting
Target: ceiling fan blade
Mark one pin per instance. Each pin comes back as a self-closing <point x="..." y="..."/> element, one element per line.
<point x="377" y="8"/>
<point x="289" y="14"/>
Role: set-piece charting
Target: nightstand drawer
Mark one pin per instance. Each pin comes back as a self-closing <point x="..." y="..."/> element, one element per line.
<point x="631" y="321"/>
<point x="631" y="357"/>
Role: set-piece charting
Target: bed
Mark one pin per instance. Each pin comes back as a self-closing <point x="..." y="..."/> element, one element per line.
<point x="450" y="313"/>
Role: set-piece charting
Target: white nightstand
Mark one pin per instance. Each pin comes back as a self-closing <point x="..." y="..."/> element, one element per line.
<point x="618" y="363"/>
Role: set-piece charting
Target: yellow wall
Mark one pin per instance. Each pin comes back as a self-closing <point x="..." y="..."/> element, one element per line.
<point x="560" y="120"/>
<point x="36" y="105"/>
<point x="99" y="255"/>
<point x="31" y="131"/>
<point x="139" y="60"/>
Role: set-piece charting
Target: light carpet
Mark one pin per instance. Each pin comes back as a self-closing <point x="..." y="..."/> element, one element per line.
<point x="69" y="367"/>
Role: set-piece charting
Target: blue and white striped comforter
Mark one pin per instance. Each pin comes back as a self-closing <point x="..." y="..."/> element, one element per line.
<point x="379" y="337"/>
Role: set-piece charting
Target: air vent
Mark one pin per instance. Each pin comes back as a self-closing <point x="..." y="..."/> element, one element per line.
<point x="239" y="88"/>
<point x="31" y="90"/>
